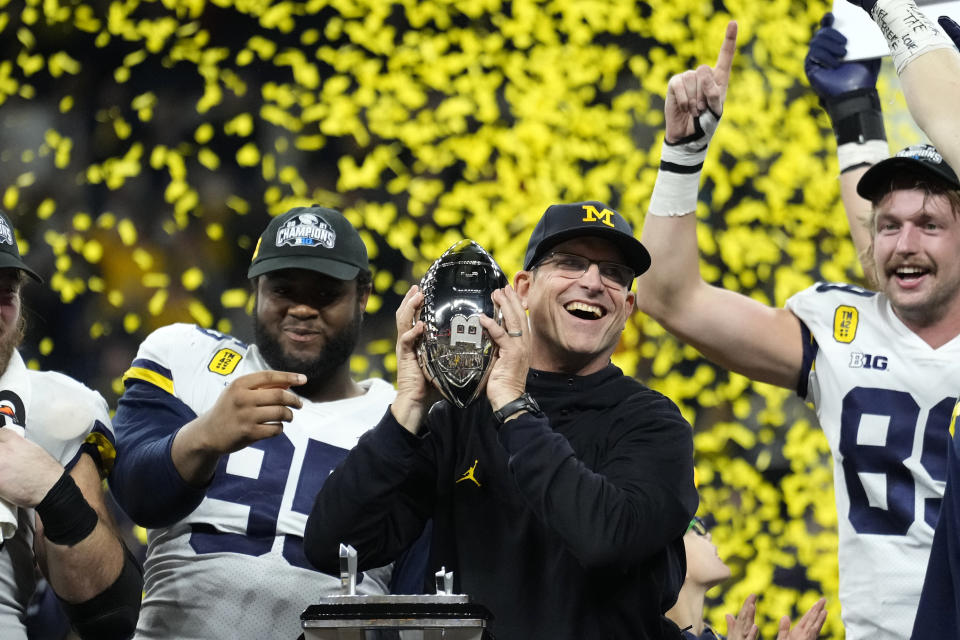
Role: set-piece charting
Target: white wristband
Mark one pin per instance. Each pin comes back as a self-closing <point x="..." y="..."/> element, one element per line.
<point x="909" y="32"/>
<point x="854" y="154"/>
<point x="674" y="194"/>
<point x="678" y="181"/>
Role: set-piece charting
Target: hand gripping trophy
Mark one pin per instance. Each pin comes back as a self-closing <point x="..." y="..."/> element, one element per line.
<point x="455" y="352"/>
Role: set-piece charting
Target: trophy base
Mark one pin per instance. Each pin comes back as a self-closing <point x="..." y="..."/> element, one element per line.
<point x="389" y="617"/>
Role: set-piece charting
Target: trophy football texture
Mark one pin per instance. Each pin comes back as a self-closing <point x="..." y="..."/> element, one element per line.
<point x="455" y="353"/>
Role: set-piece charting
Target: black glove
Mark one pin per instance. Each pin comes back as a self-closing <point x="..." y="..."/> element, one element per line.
<point x="951" y="28"/>
<point x="866" y="5"/>
<point x="826" y="70"/>
<point x="847" y="90"/>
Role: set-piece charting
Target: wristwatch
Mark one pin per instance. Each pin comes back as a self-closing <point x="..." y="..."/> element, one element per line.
<point x="524" y="403"/>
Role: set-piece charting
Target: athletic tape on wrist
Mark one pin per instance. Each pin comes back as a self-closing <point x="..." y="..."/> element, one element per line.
<point x="67" y="516"/>
<point x="853" y="155"/>
<point x="678" y="181"/>
<point x="909" y="32"/>
<point x="674" y="194"/>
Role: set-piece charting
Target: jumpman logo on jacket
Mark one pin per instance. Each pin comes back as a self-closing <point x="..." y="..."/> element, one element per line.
<point x="469" y="474"/>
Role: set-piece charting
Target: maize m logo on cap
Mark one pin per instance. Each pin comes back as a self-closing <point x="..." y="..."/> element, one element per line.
<point x="597" y="216"/>
<point x="306" y="230"/>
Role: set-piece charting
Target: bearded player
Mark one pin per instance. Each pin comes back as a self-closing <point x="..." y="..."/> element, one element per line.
<point x="880" y="368"/>
<point x="56" y="444"/>
<point x="929" y="69"/>
<point x="224" y="445"/>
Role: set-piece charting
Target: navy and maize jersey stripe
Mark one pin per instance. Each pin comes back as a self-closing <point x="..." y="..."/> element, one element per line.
<point x="150" y="371"/>
<point x="810" y="350"/>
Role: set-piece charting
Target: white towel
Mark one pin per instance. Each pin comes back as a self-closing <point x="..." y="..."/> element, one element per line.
<point x="8" y="512"/>
<point x="14" y="381"/>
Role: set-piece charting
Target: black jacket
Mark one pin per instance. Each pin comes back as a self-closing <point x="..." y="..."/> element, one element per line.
<point x="564" y="526"/>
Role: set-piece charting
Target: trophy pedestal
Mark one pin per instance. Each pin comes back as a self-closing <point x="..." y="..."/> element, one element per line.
<point x="409" y="617"/>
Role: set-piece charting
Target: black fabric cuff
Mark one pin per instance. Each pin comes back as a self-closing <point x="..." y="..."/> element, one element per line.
<point x="111" y="614"/>
<point x="67" y="516"/>
<point x="856" y="116"/>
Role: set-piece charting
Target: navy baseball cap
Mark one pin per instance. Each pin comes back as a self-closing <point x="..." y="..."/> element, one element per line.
<point x="314" y="238"/>
<point x="921" y="160"/>
<point x="562" y="222"/>
<point x="10" y="252"/>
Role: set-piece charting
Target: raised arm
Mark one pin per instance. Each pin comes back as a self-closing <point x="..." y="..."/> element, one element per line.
<point x="848" y="93"/>
<point x="928" y="64"/>
<point x="733" y="330"/>
<point x="931" y="85"/>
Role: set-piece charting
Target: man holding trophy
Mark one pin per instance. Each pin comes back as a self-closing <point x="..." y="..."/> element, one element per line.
<point x="560" y="500"/>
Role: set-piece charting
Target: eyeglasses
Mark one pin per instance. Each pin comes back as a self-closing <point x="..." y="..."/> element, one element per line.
<point x="570" y="265"/>
<point x="698" y="526"/>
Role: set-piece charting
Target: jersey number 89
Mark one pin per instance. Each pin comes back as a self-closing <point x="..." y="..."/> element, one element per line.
<point x="888" y="459"/>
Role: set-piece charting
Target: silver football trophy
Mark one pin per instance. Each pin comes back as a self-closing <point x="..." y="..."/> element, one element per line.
<point x="455" y="352"/>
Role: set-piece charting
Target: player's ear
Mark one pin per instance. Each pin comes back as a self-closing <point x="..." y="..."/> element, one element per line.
<point x="364" y="284"/>
<point x="363" y="295"/>
<point x="521" y="284"/>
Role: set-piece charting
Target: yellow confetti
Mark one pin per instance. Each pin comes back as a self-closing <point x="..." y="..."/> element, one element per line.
<point x="248" y="155"/>
<point x="157" y="302"/>
<point x="46" y="208"/>
<point x="200" y="314"/>
<point x="92" y="251"/>
<point x="192" y="278"/>
<point x="131" y="322"/>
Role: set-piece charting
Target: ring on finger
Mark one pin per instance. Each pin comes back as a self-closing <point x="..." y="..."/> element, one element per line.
<point x="515" y="334"/>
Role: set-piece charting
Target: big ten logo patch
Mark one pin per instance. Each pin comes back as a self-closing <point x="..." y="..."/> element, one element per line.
<point x="845" y="324"/>
<point x="859" y="360"/>
<point x="224" y="362"/>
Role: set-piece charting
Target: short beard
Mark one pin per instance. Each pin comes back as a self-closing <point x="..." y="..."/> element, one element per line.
<point x="10" y="342"/>
<point x="927" y="313"/>
<point x="335" y="353"/>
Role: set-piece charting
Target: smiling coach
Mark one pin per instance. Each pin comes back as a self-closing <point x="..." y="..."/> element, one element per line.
<point x="582" y="478"/>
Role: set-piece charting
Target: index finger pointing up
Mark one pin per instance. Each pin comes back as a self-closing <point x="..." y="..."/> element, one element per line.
<point x="721" y="72"/>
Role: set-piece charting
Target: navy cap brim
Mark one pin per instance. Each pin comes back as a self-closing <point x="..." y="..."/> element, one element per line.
<point x="8" y="261"/>
<point x="877" y="179"/>
<point x="635" y="254"/>
<point x="332" y="268"/>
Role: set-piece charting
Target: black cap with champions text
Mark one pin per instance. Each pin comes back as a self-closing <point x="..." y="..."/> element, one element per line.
<point x="10" y="252"/>
<point x="314" y="238"/>
<point x="562" y="222"/>
<point x="920" y="160"/>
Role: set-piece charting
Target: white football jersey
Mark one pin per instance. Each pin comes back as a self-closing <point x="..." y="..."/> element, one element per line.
<point x="234" y="567"/>
<point x="884" y="398"/>
<point x="65" y="418"/>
